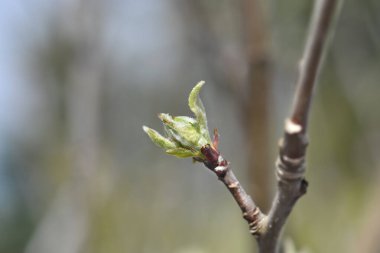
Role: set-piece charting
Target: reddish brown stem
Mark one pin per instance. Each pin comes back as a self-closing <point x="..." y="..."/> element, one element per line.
<point x="251" y="213"/>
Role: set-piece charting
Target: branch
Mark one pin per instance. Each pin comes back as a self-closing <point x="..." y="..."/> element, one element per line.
<point x="189" y="137"/>
<point x="291" y="161"/>
<point x="310" y="62"/>
<point x="221" y="167"/>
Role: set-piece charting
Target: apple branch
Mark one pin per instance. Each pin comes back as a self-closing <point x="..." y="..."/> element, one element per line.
<point x="291" y="160"/>
<point x="189" y="137"/>
<point x="221" y="167"/>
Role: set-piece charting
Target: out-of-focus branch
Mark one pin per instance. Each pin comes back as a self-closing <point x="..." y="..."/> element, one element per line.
<point x="256" y="104"/>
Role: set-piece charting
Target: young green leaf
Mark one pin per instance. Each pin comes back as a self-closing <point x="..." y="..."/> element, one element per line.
<point x="185" y="135"/>
<point x="196" y="106"/>
<point x="183" y="130"/>
<point x="158" y="139"/>
<point x="181" y="152"/>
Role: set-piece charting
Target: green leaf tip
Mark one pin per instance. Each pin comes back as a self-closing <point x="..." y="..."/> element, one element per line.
<point x="158" y="139"/>
<point x="196" y="106"/>
<point x="185" y="135"/>
<point x="194" y="97"/>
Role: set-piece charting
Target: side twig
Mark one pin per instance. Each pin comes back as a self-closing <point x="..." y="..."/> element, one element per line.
<point x="221" y="167"/>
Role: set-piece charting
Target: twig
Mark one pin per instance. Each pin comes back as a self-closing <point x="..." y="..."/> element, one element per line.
<point x="221" y="167"/>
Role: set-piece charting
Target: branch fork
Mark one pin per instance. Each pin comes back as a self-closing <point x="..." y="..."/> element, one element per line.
<point x="189" y="137"/>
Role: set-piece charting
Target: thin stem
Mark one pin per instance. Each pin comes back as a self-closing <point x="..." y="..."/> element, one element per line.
<point x="251" y="212"/>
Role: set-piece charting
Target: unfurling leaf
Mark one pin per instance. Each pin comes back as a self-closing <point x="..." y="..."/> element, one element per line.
<point x="196" y="106"/>
<point x="185" y="135"/>
<point x="181" y="152"/>
<point x="158" y="139"/>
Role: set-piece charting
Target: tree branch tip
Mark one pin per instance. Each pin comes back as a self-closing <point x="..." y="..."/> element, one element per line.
<point x="292" y="127"/>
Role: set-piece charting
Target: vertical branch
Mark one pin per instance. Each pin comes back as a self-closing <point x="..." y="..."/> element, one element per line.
<point x="310" y="62"/>
<point x="291" y="159"/>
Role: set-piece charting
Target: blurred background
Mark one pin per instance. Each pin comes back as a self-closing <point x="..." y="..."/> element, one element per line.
<point x="78" y="79"/>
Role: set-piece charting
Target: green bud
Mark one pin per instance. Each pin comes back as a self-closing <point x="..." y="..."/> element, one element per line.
<point x="185" y="135"/>
<point x="184" y="131"/>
